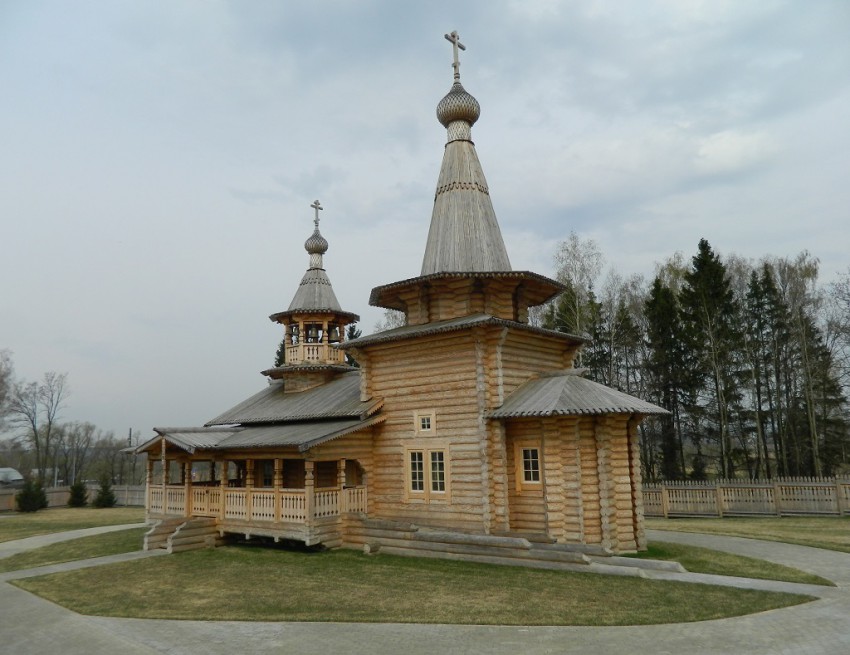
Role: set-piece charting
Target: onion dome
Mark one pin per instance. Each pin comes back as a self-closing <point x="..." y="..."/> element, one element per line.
<point x="316" y="244"/>
<point x="458" y="105"/>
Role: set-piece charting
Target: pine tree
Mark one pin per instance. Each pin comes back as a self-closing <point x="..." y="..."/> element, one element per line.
<point x="352" y="332"/>
<point x="79" y="495"/>
<point x="31" y="497"/>
<point x="710" y="313"/>
<point x="105" y="496"/>
<point x="280" y="355"/>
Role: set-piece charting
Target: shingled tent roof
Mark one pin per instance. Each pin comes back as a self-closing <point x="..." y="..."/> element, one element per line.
<point x="568" y="394"/>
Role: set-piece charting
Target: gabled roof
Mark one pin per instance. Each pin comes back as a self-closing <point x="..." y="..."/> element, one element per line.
<point x="301" y="435"/>
<point x="567" y="394"/>
<point x="339" y="398"/>
<point x="452" y="325"/>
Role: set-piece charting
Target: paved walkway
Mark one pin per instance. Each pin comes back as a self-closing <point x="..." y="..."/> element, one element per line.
<point x="29" y="624"/>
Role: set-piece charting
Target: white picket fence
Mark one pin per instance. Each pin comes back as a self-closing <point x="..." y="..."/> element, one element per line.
<point x="777" y="497"/>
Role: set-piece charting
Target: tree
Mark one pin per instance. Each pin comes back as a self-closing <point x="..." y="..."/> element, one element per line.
<point x="710" y="314"/>
<point x="79" y="494"/>
<point x="578" y="264"/>
<point x="31" y="497"/>
<point x="34" y="408"/>
<point x="105" y="496"/>
<point x="392" y="319"/>
<point x="352" y="332"/>
<point x="7" y="381"/>
<point x="280" y="355"/>
<point x="666" y="367"/>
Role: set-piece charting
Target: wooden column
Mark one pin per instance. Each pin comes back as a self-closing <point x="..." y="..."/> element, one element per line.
<point x="187" y="487"/>
<point x="340" y="482"/>
<point x="277" y="483"/>
<point x="309" y="486"/>
<point x="148" y="483"/>
<point x="249" y="487"/>
<point x="223" y="504"/>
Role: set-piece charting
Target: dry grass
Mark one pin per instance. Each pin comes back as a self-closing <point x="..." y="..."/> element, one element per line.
<point x="62" y="519"/>
<point x="830" y="532"/>
<point x="256" y="584"/>
<point x="125" y="541"/>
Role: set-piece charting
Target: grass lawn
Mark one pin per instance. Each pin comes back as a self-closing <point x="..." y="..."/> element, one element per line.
<point x="265" y="584"/>
<point x="61" y="519"/>
<point x="830" y="532"/>
<point x="125" y="541"/>
<point x="704" y="560"/>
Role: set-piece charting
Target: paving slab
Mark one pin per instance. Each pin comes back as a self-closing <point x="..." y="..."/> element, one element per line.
<point x="9" y="548"/>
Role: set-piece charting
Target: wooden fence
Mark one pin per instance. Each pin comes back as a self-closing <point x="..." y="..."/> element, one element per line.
<point x="777" y="497"/>
<point x="125" y="495"/>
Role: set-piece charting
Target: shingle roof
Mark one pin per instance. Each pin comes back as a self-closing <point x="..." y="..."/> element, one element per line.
<point x="538" y="288"/>
<point x="302" y="435"/>
<point x="567" y="393"/>
<point x="339" y="398"/>
<point x="451" y="325"/>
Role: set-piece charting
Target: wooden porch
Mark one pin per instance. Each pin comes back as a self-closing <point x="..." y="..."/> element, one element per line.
<point x="307" y="513"/>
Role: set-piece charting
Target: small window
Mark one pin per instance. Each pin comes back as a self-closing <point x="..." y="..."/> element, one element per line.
<point x="424" y="423"/>
<point x="530" y="465"/>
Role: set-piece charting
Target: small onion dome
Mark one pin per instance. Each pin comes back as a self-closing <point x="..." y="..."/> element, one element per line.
<point x="458" y="105"/>
<point x="316" y="244"/>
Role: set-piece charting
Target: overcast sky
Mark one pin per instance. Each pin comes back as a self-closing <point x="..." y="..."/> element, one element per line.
<point x="158" y="160"/>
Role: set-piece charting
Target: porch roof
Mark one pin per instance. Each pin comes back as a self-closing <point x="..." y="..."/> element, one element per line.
<point x="567" y="393"/>
<point x="301" y="435"/>
<point x="339" y="398"/>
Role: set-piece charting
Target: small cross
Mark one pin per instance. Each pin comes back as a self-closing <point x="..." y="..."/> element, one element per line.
<point x="317" y="207"/>
<point x="455" y="41"/>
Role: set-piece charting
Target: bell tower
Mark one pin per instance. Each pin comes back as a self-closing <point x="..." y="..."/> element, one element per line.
<point x="313" y="324"/>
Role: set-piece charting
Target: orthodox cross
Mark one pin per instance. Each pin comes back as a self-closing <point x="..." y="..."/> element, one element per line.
<point x="454" y="39"/>
<point x="317" y="207"/>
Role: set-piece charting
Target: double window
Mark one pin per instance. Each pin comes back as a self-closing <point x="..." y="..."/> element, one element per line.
<point x="427" y="474"/>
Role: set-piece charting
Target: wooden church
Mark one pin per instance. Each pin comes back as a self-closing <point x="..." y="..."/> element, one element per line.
<point x="466" y="433"/>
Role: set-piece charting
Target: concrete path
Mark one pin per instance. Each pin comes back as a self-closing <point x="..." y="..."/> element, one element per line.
<point x="9" y="548"/>
<point x="31" y="625"/>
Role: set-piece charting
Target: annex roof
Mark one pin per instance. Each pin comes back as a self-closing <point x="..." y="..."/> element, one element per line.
<point x="452" y="325"/>
<point x="566" y="394"/>
<point x="339" y="398"/>
<point x="301" y="435"/>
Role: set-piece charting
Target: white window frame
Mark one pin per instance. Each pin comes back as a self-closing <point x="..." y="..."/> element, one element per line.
<point x="523" y="484"/>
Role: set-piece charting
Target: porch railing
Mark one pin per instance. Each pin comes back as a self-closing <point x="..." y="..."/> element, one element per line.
<point x="256" y="505"/>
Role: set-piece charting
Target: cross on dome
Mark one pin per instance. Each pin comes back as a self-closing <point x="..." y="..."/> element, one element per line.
<point x="317" y="206"/>
<point x="454" y="39"/>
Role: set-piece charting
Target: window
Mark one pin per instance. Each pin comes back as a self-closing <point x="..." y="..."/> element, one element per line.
<point x="424" y="423"/>
<point x="417" y="471"/>
<point x="427" y="474"/>
<point x="530" y="465"/>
